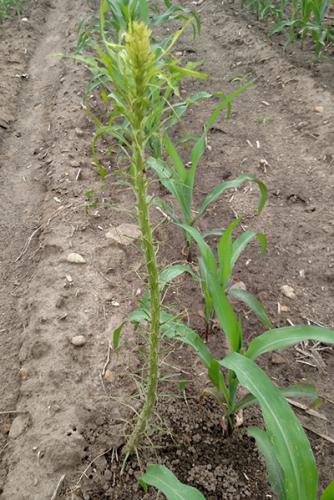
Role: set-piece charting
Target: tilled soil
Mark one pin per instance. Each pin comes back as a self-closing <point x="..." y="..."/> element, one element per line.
<point x="62" y="415"/>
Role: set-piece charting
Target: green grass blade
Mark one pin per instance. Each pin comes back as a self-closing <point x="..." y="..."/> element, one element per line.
<point x="253" y="303"/>
<point x="275" y="473"/>
<point x="164" y="480"/>
<point x="287" y="436"/>
<point x="281" y="338"/>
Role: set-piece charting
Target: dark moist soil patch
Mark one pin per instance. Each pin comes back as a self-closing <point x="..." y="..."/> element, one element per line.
<point x="192" y="445"/>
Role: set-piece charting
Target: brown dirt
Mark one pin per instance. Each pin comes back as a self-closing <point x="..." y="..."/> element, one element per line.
<point x="67" y="413"/>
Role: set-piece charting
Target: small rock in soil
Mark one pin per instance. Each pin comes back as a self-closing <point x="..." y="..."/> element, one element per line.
<point x="124" y="234"/>
<point x="75" y="258"/>
<point x="79" y="132"/>
<point x="197" y="438"/>
<point x="319" y="109"/>
<point x="78" y="340"/>
<point x="109" y="376"/>
<point x="24" y="373"/>
<point x="75" y="164"/>
<point x="288" y="291"/>
<point x="277" y="359"/>
<point x="18" y="426"/>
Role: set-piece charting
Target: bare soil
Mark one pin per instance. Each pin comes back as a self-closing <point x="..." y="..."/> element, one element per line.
<point x="63" y="421"/>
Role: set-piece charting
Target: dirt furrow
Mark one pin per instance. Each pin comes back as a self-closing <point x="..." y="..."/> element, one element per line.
<point x="58" y="388"/>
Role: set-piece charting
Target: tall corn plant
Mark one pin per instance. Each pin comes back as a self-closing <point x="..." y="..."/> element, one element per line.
<point x="140" y="78"/>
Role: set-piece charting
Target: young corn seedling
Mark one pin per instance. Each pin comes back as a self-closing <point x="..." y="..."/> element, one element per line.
<point x="179" y="179"/>
<point x="228" y="253"/>
<point x="284" y="444"/>
<point x="291" y="464"/>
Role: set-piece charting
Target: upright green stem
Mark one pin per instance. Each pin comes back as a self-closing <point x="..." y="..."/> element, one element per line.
<point x="153" y="285"/>
<point x="139" y="52"/>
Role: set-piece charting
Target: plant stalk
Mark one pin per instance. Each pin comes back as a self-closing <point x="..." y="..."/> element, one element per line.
<point x="140" y="183"/>
<point x="140" y="54"/>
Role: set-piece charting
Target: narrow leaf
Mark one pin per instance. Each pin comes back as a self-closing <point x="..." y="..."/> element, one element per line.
<point x="116" y="336"/>
<point x="287" y="436"/>
<point x="296" y="391"/>
<point x="242" y="241"/>
<point x="281" y="338"/>
<point x="220" y="188"/>
<point x="275" y="473"/>
<point x="253" y="303"/>
<point x="172" y="272"/>
<point x="225" y="250"/>
<point x="177" y="160"/>
<point x="164" y="480"/>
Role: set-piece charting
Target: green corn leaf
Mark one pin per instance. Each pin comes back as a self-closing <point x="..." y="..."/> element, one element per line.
<point x="213" y="232"/>
<point x="253" y="303"/>
<point x="205" y="250"/>
<point x="224" y="311"/>
<point x="199" y="96"/>
<point x="197" y="151"/>
<point x="217" y="379"/>
<point x="176" y="329"/>
<point x="328" y="494"/>
<point x="242" y="241"/>
<point x="196" y="154"/>
<point x="165" y="175"/>
<point x="225" y="250"/>
<point x="172" y="272"/>
<point x="291" y="446"/>
<point x="164" y="480"/>
<point x="143" y="11"/>
<point x="297" y="391"/>
<point x="187" y="71"/>
<point x="235" y="183"/>
<point x="275" y="473"/>
<point x="281" y="338"/>
<point x="177" y="160"/>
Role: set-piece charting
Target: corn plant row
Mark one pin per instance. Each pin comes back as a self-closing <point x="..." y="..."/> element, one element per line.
<point x="139" y="79"/>
<point x="300" y="18"/>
